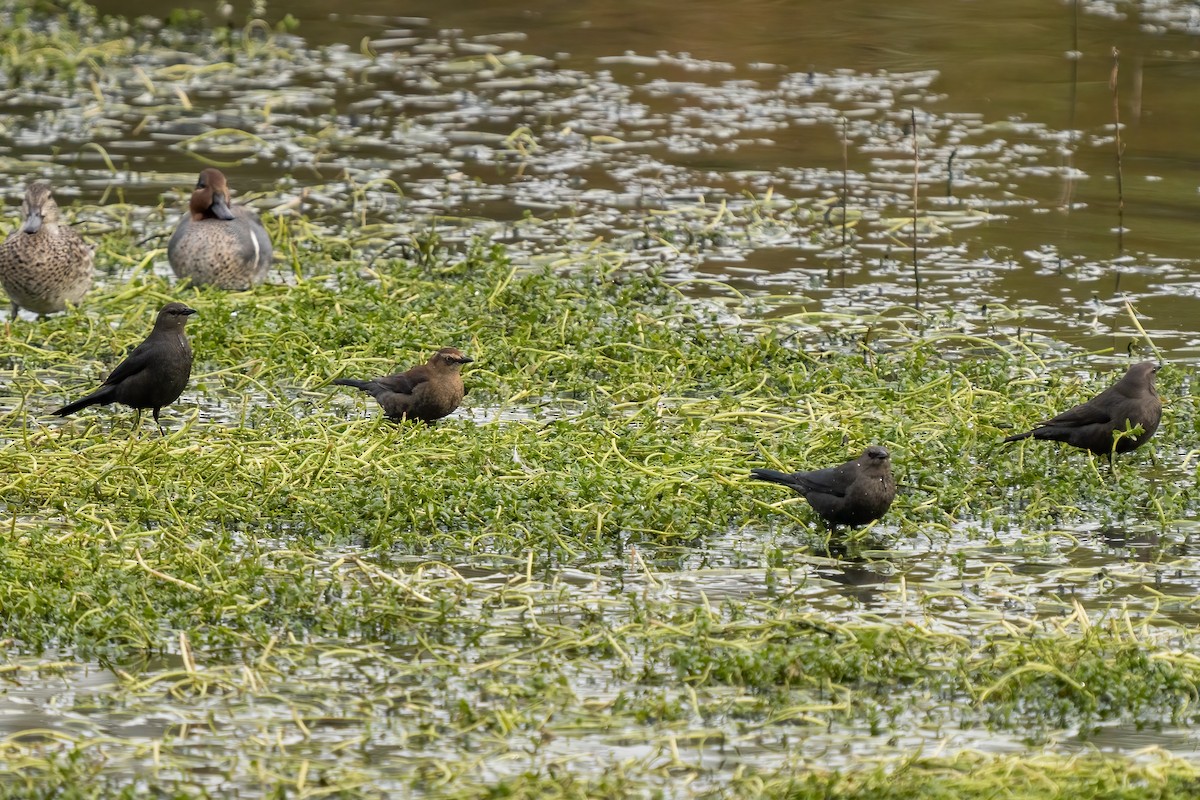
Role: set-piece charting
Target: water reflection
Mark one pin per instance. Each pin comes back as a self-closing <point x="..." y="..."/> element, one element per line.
<point x="398" y="702"/>
<point x="603" y="116"/>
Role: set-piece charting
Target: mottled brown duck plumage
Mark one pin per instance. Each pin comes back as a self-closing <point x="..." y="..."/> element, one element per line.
<point x="44" y="264"/>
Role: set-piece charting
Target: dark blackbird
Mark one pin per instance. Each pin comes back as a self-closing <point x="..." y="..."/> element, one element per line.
<point x="154" y="374"/>
<point x="427" y="393"/>
<point x="855" y="493"/>
<point x="1126" y="404"/>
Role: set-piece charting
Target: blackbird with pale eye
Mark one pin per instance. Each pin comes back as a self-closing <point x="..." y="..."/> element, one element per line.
<point x="426" y="393"/>
<point x="854" y="493"/>
<point x="154" y="374"/>
<point x="1099" y="425"/>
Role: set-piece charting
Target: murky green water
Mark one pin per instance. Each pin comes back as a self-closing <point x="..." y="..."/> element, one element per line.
<point x="726" y="102"/>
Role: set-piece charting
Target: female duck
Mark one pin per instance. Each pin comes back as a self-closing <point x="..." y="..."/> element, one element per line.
<point x="43" y="264"/>
<point x="218" y="243"/>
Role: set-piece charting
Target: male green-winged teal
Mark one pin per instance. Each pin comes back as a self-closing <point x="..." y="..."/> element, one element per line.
<point x="44" y="264"/>
<point x="219" y="243"/>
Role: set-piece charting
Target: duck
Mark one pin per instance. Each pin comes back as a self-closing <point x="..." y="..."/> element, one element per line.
<point x="218" y="243"/>
<point x="44" y="265"/>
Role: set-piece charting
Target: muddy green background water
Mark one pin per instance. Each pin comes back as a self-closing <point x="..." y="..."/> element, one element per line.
<point x="1019" y="91"/>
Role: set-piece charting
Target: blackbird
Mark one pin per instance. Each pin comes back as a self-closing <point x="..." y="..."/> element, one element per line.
<point x="154" y="374"/>
<point x="1094" y="425"/>
<point x="427" y="393"/>
<point x="854" y="493"/>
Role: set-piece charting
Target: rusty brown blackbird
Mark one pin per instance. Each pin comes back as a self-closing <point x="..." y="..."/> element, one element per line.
<point x="854" y="493"/>
<point x="154" y="374"/>
<point x="427" y="393"/>
<point x="1095" y="425"/>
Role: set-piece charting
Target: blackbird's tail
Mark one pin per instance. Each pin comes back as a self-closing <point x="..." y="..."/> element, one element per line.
<point x="350" y="382"/>
<point x="97" y="398"/>
<point x="775" y="476"/>
<point x="1016" y="437"/>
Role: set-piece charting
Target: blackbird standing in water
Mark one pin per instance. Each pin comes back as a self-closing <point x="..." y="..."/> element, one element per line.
<point x="427" y="393"/>
<point x="1094" y="425"/>
<point x="154" y="374"/>
<point x="855" y="493"/>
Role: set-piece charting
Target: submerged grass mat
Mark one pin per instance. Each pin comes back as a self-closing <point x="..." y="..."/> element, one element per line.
<point x="289" y="592"/>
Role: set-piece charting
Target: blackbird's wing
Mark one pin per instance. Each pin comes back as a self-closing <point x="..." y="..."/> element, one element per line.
<point x="1093" y="412"/>
<point x="832" y="480"/>
<point x="134" y="363"/>
<point x="405" y="382"/>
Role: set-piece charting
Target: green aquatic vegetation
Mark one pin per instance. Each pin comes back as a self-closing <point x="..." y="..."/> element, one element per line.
<point x="1058" y="680"/>
<point x="974" y="775"/>
<point x="605" y="411"/>
<point x="37" y="44"/>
